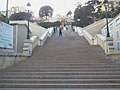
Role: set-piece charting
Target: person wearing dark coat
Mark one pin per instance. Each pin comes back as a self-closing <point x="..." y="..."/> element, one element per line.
<point x="54" y="29"/>
<point x="60" y="31"/>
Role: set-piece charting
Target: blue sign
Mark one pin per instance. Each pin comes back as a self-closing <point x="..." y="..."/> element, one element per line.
<point x="6" y="35"/>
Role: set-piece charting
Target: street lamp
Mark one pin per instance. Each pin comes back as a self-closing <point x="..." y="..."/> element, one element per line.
<point x="28" y="5"/>
<point x="106" y="10"/>
<point x="77" y="21"/>
<point x="7" y="11"/>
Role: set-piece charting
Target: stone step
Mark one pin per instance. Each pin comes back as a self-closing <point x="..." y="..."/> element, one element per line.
<point x="63" y="63"/>
<point x="56" y="66"/>
<point x="63" y="81"/>
<point x="25" y="64"/>
<point x="59" y="76"/>
<point x="63" y="73"/>
<point x="61" y="69"/>
<point x="81" y="52"/>
<point x="70" y="59"/>
<point x="67" y="66"/>
<point x="92" y="85"/>
<point x="66" y="56"/>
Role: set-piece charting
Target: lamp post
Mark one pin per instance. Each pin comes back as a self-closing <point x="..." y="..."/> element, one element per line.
<point x="7" y="11"/>
<point x="28" y="5"/>
<point x="106" y="10"/>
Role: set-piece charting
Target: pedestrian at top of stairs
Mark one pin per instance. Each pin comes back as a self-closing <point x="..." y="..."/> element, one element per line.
<point x="60" y="31"/>
<point x="54" y="29"/>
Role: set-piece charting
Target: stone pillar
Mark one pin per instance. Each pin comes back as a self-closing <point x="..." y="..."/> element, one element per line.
<point x="27" y="47"/>
<point x="109" y="45"/>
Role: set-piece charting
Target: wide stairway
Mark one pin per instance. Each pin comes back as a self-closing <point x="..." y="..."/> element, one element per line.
<point x="63" y="63"/>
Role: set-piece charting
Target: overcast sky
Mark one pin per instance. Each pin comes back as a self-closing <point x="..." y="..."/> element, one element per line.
<point x="60" y="6"/>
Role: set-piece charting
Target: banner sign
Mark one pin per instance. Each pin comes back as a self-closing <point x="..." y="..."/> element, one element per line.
<point x="6" y="35"/>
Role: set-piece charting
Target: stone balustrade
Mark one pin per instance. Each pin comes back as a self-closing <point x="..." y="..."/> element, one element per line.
<point x="115" y="57"/>
<point x="34" y="40"/>
<point x="100" y="40"/>
<point x="7" y="60"/>
<point x="43" y="38"/>
<point x="106" y="43"/>
<point x="79" y="31"/>
<point x="29" y="45"/>
<point x="50" y="31"/>
<point x="88" y="37"/>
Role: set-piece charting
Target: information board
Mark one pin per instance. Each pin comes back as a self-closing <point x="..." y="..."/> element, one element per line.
<point x="6" y="35"/>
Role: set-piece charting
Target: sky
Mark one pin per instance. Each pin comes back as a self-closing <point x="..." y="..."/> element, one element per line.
<point x="60" y="6"/>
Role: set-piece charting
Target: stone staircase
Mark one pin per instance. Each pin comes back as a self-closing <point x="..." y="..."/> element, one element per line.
<point x="63" y="63"/>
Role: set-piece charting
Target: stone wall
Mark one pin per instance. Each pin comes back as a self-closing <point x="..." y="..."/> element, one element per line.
<point x="9" y="60"/>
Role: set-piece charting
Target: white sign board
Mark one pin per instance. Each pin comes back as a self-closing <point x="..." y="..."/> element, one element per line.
<point x="6" y="35"/>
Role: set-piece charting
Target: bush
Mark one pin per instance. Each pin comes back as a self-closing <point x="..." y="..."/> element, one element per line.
<point x="50" y="24"/>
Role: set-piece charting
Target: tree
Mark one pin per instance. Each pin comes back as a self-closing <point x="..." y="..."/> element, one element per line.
<point x="69" y="13"/>
<point x="46" y="12"/>
<point x="115" y="11"/>
<point x="51" y="24"/>
<point x="112" y="12"/>
<point x="83" y="15"/>
<point x="3" y="18"/>
<point x="87" y="14"/>
<point x="96" y="2"/>
<point x="20" y="16"/>
<point x="56" y="24"/>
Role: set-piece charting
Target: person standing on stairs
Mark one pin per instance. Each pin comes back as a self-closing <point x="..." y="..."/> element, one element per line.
<point x="54" y="29"/>
<point x="60" y="31"/>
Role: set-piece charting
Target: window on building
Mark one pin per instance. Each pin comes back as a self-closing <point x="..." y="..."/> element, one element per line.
<point x="111" y="27"/>
<point x="118" y="22"/>
<point x="118" y="46"/>
<point x="117" y="34"/>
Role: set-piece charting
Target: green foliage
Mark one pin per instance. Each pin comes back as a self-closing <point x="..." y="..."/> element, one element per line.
<point x="44" y="24"/>
<point x="45" y="11"/>
<point x="84" y="13"/>
<point x="87" y="15"/>
<point x="3" y="18"/>
<point x="115" y="11"/>
<point x="69" y="13"/>
<point x="111" y="14"/>
<point x="50" y="24"/>
<point x="20" y="16"/>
